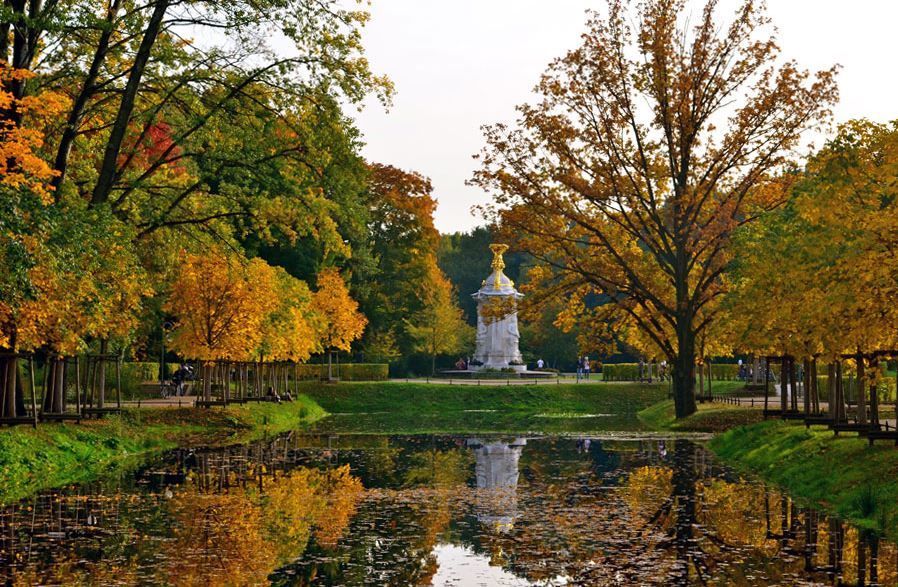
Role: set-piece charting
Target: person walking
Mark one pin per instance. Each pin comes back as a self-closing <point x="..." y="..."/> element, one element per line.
<point x="540" y="364"/>
<point x="586" y="366"/>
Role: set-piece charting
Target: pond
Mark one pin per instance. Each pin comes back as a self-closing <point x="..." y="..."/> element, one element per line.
<point x="355" y="509"/>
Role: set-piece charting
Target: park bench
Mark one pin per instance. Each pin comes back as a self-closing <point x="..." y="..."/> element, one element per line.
<point x="852" y="427"/>
<point x="789" y="415"/>
<point x="818" y="420"/>
<point x="200" y="403"/>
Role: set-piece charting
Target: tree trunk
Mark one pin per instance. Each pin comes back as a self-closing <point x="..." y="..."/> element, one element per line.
<point x="684" y="376"/>
<point x="9" y="389"/>
<point x="784" y="384"/>
<point x="874" y="397"/>
<point x="101" y="395"/>
<point x="207" y="382"/>
<point x="806" y="376"/>
<point x="861" y="390"/>
<point x="831" y="389"/>
<point x="793" y="379"/>
<point x="816" y="386"/>
<point x="701" y="382"/>
<point x="109" y="167"/>
<point x="70" y="130"/>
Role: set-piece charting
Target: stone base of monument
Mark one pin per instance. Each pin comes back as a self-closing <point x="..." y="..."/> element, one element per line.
<point x="498" y="368"/>
<point x="474" y="374"/>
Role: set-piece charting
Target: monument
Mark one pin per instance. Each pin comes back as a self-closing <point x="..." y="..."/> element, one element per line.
<point x="497" y="320"/>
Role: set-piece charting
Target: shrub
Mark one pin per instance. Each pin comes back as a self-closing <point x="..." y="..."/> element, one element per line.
<point x="630" y="371"/>
<point x="345" y="371"/>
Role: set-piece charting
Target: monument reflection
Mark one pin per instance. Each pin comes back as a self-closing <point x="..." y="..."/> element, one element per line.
<point x="496" y="472"/>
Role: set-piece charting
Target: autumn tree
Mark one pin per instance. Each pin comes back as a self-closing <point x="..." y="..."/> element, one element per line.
<point x="650" y="145"/>
<point x="220" y="304"/>
<point x="401" y="233"/>
<point x="341" y="321"/>
<point x="439" y="327"/>
<point x="290" y="332"/>
<point x="830" y="293"/>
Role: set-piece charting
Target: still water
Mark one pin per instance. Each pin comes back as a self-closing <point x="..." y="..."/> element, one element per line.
<point x="326" y="509"/>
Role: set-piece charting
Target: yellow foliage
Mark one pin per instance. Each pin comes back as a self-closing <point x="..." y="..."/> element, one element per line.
<point x="220" y="303"/>
<point x="291" y="331"/>
<point x="342" y="322"/>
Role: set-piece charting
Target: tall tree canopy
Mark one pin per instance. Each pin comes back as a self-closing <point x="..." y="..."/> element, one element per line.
<point x="651" y="144"/>
<point x="832" y="288"/>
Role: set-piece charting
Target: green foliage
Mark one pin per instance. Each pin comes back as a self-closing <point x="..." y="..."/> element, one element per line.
<point x="630" y="371"/>
<point x="464" y="258"/>
<point x="345" y="371"/>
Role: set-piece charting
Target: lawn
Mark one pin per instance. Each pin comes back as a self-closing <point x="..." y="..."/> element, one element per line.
<point x="51" y="455"/>
<point x="408" y="408"/>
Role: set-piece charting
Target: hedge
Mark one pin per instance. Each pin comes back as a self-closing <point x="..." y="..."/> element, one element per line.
<point x="345" y="371"/>
<point x="630" y="371"/>
<point x="885" y="389"/>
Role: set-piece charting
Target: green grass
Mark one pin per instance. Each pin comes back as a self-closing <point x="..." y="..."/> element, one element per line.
<point x="53" y="455"/>
<point x="404" y="408"/>
<point x="708" y="418"/>
<point x="844" y="474"/>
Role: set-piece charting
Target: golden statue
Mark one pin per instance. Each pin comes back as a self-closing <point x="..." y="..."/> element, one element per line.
<point x="498" y="262"/>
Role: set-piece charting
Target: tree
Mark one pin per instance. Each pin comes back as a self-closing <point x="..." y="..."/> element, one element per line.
<point x="290" y="332"/>
<point x="220" y="304"/>
<point x="401" y="232"/>
<point x="342" y="323"/>
<point x="465" y="259"/>
<point x="831" y="292"/>
<point x="440" y="327"/>
<point x="542" y="336"/>
<point x="648" y="149"/>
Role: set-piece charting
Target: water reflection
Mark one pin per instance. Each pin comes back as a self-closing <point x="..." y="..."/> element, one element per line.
<point x="380" y="510"/>
<point x="496" y="470"/>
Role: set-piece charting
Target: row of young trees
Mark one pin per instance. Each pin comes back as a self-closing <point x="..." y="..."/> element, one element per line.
<point x="652" y="148"/>
<point x="190" y="161"/>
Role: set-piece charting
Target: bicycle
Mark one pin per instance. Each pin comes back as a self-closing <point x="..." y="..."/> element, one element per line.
<point x="167" y="389"/>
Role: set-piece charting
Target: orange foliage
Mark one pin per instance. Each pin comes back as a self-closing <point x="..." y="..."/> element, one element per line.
<point x="220" y="303"/>
<point x="343" y="323"/>
<point x="20" y="165"/>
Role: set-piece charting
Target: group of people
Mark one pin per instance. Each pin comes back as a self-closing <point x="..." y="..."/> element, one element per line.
<point x="274" y="396"/>
<point x="583" y="367"/>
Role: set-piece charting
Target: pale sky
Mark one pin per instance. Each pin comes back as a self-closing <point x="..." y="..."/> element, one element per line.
<point x="461" y="64"/>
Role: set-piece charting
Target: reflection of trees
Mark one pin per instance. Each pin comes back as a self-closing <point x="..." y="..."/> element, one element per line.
<point x="218" y="539"/>
<point x="235" y="514"/>
<point x="64" y="538"/>
<point x="737" y="533"/>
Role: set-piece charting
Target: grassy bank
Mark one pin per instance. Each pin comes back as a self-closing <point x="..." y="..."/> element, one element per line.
<point x="709" y="417"/>
<point x="420" y="408"/>
<point x="844" y="475"/>
<point x="60" y="454"/>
